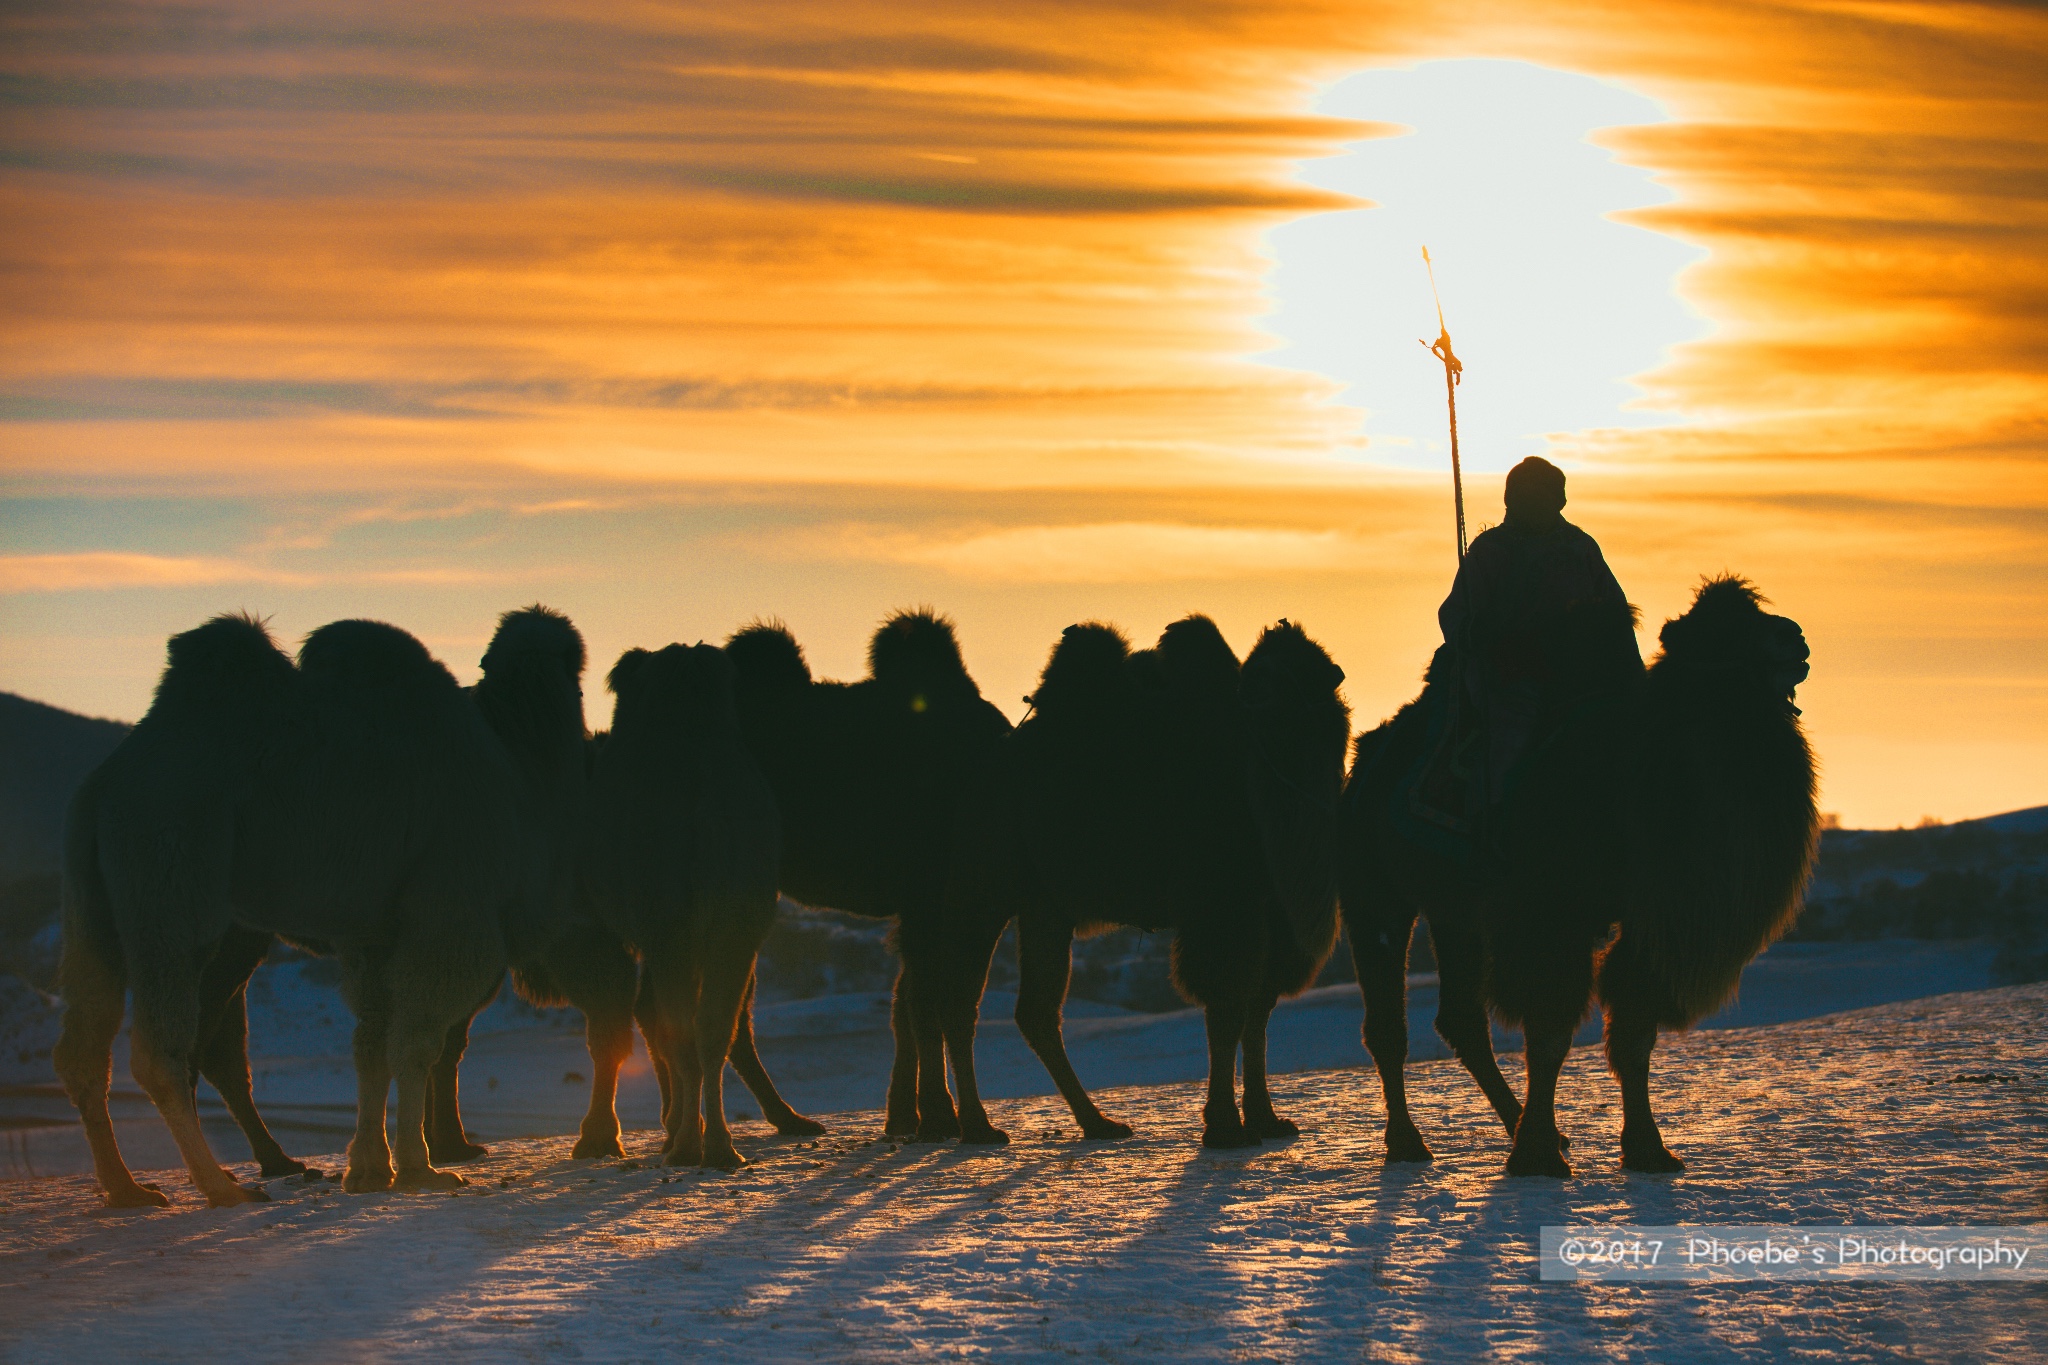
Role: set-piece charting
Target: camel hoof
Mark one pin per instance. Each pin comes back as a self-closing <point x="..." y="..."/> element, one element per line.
<point x="1406" y="1145"/>
<point x="1106" y="1130"/>
<point x="1550" y="1163"/>
<point x="138" y="1196"/>
<point x="1271" y="1126"/>
<point x="227" y="1196"/>
<point x="1564" y="1143"/>
<point x="941" y="1125"/>
<point x="590" y="1148"/>
<point x="455" y="1153"/>
<point x="900" y="1126"/>
<point x="722" y="1159"/>
<point x="283" y="1166"/>
<point x="984" y="1136"/>
<point x="368" y="1181"/>
<point x="1650" y="1158"/>
<point x="428" y="1178"/>
<point x="673" y="1157"/>
<point x="1223" y="1138"/>
<point x="796" y="1125"/>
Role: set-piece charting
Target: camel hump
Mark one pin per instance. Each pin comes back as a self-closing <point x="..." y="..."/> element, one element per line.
<point x="917" y="649"/>
<point x="687" y="686"/>
<point x="1088" y="667"/>
<point x="535" y="630"/>
<point x="1286" y="664"/>
<point x="232" y="657"/>
<point x="1196" y="661"/>
<point x="373" y="656"/>
<point x="766" y="658"/>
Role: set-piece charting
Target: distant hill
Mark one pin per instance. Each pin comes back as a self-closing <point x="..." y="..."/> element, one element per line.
<point x="45" y="752"/>
<point x="1984" y="879"/>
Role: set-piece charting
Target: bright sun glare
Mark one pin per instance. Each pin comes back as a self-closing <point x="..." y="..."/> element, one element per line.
<point x="1552" y="304"/>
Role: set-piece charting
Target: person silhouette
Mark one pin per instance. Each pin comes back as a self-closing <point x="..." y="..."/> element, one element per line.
<point x="1518" y="589"/>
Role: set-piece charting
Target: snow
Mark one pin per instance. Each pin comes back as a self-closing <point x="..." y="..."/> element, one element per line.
<point x="850" y="1248"/>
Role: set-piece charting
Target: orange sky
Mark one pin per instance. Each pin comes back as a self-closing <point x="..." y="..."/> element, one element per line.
<point x="674" y="315"/>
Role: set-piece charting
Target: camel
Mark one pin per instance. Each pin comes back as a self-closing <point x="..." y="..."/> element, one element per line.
<point x="1170" y="788"/>
<point x="680" y="863"/>
<point x="1657" y="842"/>
<point x="530" y="694"/>
<point x="869" y="777"/>
<point x="357" y="801"/>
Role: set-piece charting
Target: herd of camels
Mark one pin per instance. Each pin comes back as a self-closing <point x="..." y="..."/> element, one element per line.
<point x="356" y="801"/>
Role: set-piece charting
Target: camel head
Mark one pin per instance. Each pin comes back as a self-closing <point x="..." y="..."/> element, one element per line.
<point x="1288" y="690"/>
<point x="1727" y="631"/>
<point x="915" y="657"/>
<point x="1088" y="669"/>
<point x="1298" y="729"/>
<point x="766" y="659"/>
<point x="539" y="652"/>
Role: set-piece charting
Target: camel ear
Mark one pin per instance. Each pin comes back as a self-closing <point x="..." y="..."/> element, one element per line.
<point x="1676" y="635"/>
<point x="622" y="672"/>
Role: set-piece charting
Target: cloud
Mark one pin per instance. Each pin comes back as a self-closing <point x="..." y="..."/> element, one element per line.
<point x="105" y="570"/>
<point x="1118" y="552"/>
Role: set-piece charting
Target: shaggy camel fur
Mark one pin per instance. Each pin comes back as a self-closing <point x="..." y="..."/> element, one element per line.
<point x="1170" y="789"/>
<point x="357" y="801"/>
<point x="531" y="695"/>
<point x="869" y="777"/>
<point x="681" y="863"/>
<point x="1658" y="841"/>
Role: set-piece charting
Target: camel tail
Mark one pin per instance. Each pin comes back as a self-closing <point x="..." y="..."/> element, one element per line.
<point x="92" y="963"/>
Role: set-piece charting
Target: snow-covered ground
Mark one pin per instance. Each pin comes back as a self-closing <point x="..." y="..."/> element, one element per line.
<point x="851" y="1248"/>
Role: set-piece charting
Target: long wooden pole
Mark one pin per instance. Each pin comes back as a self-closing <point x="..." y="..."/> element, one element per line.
<point x="1454" y="373"/>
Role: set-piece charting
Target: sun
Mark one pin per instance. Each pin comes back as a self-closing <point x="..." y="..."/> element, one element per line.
<point x="1553" y="303"/>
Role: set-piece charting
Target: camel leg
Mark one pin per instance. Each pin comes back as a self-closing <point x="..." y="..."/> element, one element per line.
<point x="923" y="991"/>
<point x="727" y="977"/>
<point x="1461" y="1015"/>
<point x="1379" y="951"/>
<point x="1224" y="1016"/>
<point x="1045" y="952"/>
<point x="84" y="1056"/>
<point x="415" y="1042"/>
<point x="902" y="1112"/>
<point x="647" y="1013"/>
<point x="747" y="1062"/>
<point x="675" y="987"/>
<point x="1630" y="1040"/>
<point x="599" y="977"/>
<point x="161" y="1046"/>
<point x="369" y="1151"/>
<point x="1259" y="1119"/>
<point x="960" y="1004"/>
<point x="1537" y="1148"/>
<point x="448" y="1142"/>
<point x="224" y="1061"/>
<point x="434" y="985"/>
<point x="223" y="1056"/>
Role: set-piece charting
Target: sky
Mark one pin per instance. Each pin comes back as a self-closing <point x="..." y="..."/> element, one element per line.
<point x="677" y="315"/>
